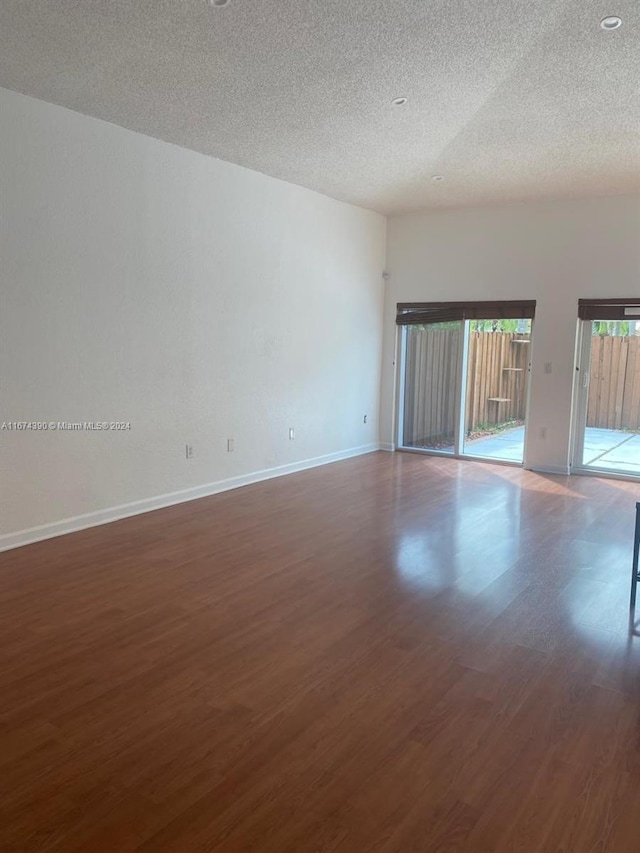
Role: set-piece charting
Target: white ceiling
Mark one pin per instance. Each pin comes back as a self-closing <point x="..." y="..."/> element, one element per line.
<point x="507" y="99"/>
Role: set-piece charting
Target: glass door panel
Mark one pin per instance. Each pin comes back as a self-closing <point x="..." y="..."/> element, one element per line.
<point x="608" y="435"/>
<point x="497" y="383"/>
<point x="431" y="395"/>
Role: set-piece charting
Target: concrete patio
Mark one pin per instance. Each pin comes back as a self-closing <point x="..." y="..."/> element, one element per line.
<point x="603" y="448"/>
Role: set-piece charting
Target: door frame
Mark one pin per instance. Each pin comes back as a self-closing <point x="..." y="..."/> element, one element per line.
<point x="581" y="396"/>
<point x="461" y="402"/>
<point x="459" y="405"/>
<point x="581" y="407"/>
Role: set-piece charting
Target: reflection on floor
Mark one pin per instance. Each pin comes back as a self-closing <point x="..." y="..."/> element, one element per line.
<point x="603" y="448"/>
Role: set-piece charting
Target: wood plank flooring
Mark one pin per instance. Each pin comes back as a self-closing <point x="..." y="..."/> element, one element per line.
<point x="393" y="653"/>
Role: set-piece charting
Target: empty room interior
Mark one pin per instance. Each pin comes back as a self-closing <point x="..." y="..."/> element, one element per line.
<point x="319" y="426"/>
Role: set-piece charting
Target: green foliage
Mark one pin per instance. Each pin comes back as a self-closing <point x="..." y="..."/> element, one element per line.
<point x="512" y="327"/>
<point x="482" y="428"/>
<point x="615" y="328"/>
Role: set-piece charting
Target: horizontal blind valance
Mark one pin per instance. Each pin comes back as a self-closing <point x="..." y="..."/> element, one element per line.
<point x="609" y="309"/>
<point x="420" y="313"/>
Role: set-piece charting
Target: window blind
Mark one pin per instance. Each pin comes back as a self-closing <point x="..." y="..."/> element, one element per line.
<point x="420" y="313"/>
<point x="609" y="309"/>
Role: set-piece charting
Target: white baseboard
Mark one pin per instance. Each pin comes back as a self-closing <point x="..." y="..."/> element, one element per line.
<point x="386" y="445"/>
<point x="105" y="516"/>
<point x="563" y="470"/>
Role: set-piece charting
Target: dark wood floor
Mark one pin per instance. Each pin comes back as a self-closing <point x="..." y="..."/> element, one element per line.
<point x="392" y="653"/>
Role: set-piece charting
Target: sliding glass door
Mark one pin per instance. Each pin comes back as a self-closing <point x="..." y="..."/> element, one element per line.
<point x="464" y="388"/>
<point x="430" y="405"/>
<point x="607" y="436"/>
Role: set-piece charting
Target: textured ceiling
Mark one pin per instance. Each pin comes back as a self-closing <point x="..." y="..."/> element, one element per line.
<point x="507" y="99"/>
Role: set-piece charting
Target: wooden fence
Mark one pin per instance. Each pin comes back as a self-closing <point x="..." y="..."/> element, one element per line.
<point x="497" y="375"/>
<point x="497" y="383"/>
<point x="614" y="387"/>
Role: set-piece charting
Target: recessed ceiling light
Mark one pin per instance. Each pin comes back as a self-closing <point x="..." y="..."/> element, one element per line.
<point x="399" y="102"/>
<point x="612" y="22"/>
<point x="219" y="3"/>
<point x="437" y="177"/>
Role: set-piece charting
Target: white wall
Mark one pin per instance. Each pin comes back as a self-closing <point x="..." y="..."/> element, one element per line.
<point x="554" y="252"/>
<point x="198" y="300"/>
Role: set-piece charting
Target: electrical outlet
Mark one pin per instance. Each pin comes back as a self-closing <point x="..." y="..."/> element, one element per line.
<point x="364" y="419"/>
<point x="292" y="433"/>
<point x="543" y="433"/>
<point x="189" y="451"/>
<point x="229" y="445"/>
<point x="547" y="367"/>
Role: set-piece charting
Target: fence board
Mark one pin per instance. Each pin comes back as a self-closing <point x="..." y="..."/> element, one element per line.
<point x="605" y="387"/>
<point x="620" y="378"/>
<point x="594" y="378"/>
<point x="631" y="404"/>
